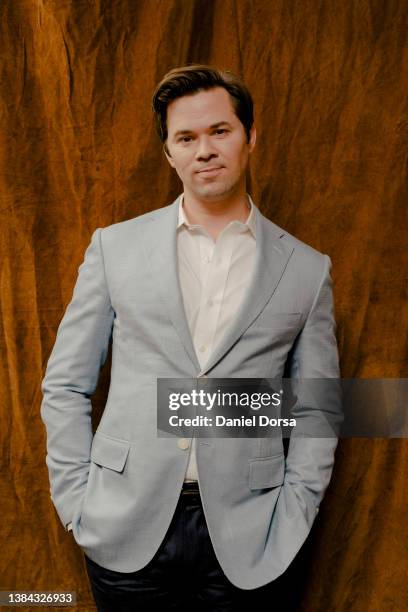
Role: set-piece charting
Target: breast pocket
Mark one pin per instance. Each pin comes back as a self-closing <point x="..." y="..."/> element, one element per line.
<point x="266" y="472"/>
<point x="278" y="320"/>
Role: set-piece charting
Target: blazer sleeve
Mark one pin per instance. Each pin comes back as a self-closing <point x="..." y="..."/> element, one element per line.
<point x="318" y="410"/>
<point x="71" y="377"/>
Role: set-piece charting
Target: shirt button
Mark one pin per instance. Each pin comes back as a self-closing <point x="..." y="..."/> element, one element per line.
<point x="203" y="348"/>
<point x="183" y="444"/>
<point x="210" y="303"/>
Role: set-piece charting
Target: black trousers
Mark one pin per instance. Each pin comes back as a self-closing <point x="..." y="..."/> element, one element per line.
<point x="184" y="574"/>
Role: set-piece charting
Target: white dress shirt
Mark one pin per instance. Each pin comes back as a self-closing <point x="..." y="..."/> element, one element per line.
<point x="213" y="277"/>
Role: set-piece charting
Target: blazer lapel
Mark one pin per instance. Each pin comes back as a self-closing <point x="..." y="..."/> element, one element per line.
<point x="160" y="243"/>
<point x="271" y="258"/>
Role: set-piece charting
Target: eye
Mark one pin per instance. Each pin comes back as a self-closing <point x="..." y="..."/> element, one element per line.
<point x="185" y="139"/>
<point x="220" y="131"/>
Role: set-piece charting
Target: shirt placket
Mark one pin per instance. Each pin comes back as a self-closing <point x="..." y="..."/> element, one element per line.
<point x="215" y="260"/>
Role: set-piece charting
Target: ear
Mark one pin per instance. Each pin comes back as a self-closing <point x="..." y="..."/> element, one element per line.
<point x="252" y="138"/>
<point x="169" y="157"/>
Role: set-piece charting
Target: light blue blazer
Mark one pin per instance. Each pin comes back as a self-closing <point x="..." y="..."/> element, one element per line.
<point x="120" y="486"/>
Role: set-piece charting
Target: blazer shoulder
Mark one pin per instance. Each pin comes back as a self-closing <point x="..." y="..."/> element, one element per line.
<point x="122" y="229"/>
<point x="300" y="249"/>
<point x="305" y="262"/>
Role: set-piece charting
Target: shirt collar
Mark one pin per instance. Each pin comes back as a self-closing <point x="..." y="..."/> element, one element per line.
<point x="250" y="223"/>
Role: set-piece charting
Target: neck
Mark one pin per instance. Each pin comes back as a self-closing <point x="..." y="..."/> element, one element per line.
<point x="215" y="215"/>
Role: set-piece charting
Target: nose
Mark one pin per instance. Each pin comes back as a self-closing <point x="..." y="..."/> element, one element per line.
<point x="205" y="149"/>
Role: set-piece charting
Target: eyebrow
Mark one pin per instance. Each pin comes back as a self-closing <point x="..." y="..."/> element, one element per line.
<point x="212" y="127"/>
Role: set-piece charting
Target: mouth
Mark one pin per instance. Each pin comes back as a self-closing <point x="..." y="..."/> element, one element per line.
<point x="210" y="171"/>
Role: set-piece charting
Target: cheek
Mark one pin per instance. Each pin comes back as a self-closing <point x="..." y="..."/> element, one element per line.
<point x="181" y="160"/>
<point x="184" y="164"/>
<point x="180" y="167"/>
<point x="244" y="158"/>
<point x="235" y="156"/>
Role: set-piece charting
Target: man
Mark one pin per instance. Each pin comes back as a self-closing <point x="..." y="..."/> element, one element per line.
<point x="204" y="287"/>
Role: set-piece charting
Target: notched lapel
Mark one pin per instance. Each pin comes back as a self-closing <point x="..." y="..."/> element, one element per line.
<point x="271" y="259"/>
<point x="159" y="239"/>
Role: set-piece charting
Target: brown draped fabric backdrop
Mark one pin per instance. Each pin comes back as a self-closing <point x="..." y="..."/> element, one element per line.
<point x="78" y="151"/>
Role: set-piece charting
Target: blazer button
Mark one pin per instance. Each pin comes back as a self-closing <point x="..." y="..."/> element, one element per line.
<point x="183" y="443"/>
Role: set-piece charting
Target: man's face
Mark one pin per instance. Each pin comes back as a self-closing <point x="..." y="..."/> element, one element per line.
<point x="207" y="144"/>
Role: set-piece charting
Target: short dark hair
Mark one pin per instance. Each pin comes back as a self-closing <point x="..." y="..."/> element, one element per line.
<point x="187" y="80"/>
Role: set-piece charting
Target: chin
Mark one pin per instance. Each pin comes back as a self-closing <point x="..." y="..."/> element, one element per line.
<point x="215" y="191"/>
<point x="213" y="195"/>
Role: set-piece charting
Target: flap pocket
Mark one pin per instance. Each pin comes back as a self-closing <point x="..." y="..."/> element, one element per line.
<point x="266" y="472"/>
<point x="109" y="452"/>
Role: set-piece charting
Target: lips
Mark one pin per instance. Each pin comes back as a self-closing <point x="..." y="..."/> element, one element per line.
<point x="210" y="170"/>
